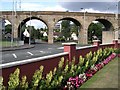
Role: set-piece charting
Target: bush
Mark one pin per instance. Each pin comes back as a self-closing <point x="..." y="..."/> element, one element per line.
<point x="60" y="39"/>
<point x="45" y="38"/>
<point x="14" y="80"/>
<point x="117" y="51"/>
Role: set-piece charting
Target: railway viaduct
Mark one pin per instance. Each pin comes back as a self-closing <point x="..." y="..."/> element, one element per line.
<point x="81" y="19"/>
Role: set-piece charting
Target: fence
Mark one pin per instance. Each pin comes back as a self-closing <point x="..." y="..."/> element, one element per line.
<point x="28" y="67"/>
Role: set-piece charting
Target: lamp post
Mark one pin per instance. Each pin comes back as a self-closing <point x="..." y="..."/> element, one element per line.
<point x="30" y="30"/>
<point x="12" y="33"/>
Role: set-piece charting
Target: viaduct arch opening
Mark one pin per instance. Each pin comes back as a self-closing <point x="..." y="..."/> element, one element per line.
<point x="98" y="30"/>
<point x="35" y="33"/>
<point x="66" y="29"/>
<point x="6" y="30"/>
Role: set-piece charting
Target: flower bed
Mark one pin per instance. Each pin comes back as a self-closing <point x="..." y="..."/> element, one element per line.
<point x="75" y="82"/>
<point x="68" y="75"/>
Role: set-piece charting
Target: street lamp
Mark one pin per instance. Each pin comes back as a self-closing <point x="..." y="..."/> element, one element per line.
<point x="30" y="30"/>
<point x="12" y="33"/>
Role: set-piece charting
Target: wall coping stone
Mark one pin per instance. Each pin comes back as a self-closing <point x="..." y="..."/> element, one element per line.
<point x="69" y="43"/>
<point x="6" y="65"/>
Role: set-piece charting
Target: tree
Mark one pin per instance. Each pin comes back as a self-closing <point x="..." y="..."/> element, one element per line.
<point x="31" y="30"/>
<point x="8" y="28"/>
<point x="22" y="29"/>
<point x="74" y="28"/>
<point x="66" y="29"/>
<point x="95" y="29"/>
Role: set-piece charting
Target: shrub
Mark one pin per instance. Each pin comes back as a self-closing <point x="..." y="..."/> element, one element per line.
<point x="2" y="87"/>
<point x="23" y="83"/>
<point x="37" y="77"/>
<point x="14" y="80"/>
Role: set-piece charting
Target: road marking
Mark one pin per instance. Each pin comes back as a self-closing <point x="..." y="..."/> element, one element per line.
<point x="30" y="53"/>
<point x="41" y="51"/>
<point x="14" y="55"/>
<point x="60" y="48"/>
<point x="49" y="48"/>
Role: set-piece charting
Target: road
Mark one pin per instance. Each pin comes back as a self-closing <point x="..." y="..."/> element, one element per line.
<point x="38" y="51"/>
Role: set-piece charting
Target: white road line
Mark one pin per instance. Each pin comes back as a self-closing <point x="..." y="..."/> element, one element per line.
<point x="30" y="53"/>
<point x="60" y="48"/>
<point x="41" y="51"/>
<point x="14" y="55"/>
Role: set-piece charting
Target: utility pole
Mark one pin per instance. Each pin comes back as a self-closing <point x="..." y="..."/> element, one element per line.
<point x="20" y="18"/>
<point x="30" y="30"/>
<point x="12" y="34"/>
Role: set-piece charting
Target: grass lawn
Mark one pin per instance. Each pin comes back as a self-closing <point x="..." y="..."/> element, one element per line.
<point x="107" y="77"/>
<point x="7" y="43"/>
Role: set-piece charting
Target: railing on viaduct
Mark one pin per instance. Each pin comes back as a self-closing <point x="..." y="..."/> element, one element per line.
<point x="28" y="67"/>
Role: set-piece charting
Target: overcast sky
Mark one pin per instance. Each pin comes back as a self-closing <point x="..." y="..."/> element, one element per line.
<point x="103" y="6"/>
<point x="61" y="5"/>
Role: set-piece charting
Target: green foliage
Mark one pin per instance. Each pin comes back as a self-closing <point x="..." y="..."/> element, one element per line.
<point x="117" y="51"/>
<point x="61" y="63"/>
<point x="66" y="29"/>
<point x="87" y="61"/>
<point x="54" y="71"/>
<point x="61" y="39"/>
<point x="45" y="38"/>
<point x="81" y="61"/>
<point x="49" y="77"/>
<point x="8" y="28"/>
<point x="37" y="77"/>
<point x="2" y="87"/>
<point x="23" y="83"/>
<point x="95" y="29"/>
<point x="99" y="56"/>
<point x="74" y="28"/>
<point x="72" y="66"/>
<point x="14" y="80"/>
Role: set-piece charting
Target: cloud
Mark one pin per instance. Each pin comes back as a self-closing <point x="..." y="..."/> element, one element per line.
<point x="55" y="8"/>
<point x="98" y="6"/>
<point x="30" y="6"/>
<point x="41" y="7"/>
<point x="91" y="10"/>
<point x="88" y="0"/>
<point x="26" y="1"/>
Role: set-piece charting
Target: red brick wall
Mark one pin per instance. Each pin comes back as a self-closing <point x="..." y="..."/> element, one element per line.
<point x="49" y="64"/>
<point x="29" y="69"/>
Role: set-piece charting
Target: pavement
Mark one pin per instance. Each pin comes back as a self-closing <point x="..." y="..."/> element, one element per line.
<point x="26" y="46"/>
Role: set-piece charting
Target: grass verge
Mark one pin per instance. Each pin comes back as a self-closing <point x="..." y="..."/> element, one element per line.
<point x="107" y="77"/>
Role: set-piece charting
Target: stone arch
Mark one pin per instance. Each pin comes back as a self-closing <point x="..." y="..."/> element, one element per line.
<point x="108" y="25"/>
<point x="107" y="31"/>
<point x="27" y="19"/>
<point x="71" y="19"/>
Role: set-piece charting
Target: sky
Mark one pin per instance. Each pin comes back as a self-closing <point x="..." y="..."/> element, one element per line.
<point x="103" y="6"/>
